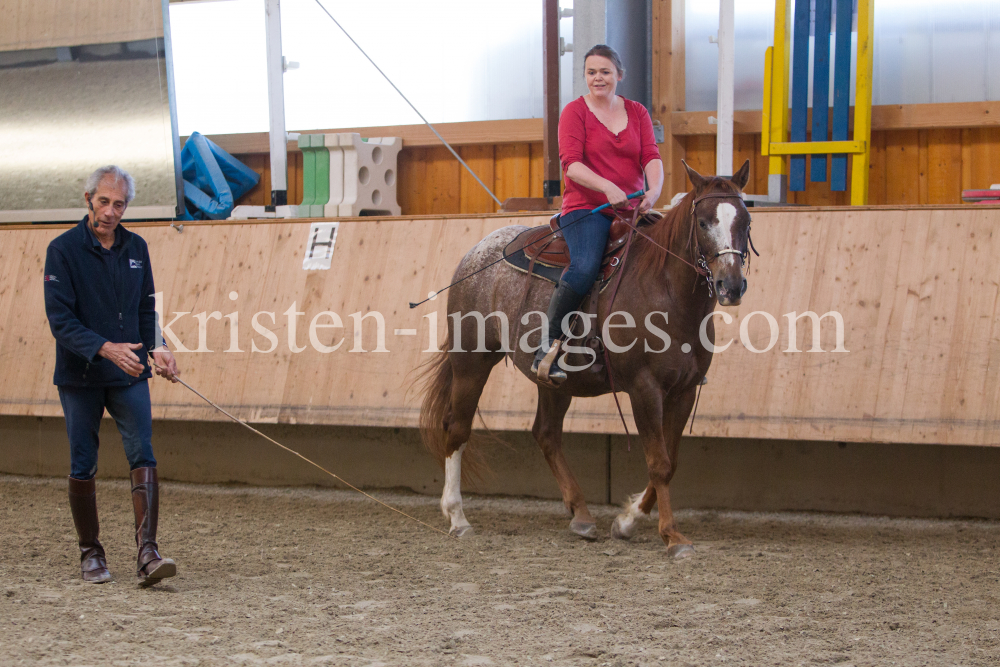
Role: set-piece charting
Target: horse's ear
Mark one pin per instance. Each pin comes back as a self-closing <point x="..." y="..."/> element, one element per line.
<point x="697" y="180"/>
<point x="741" y="177"/>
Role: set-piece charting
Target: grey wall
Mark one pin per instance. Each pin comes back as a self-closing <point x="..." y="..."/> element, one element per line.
<point x="628" y="24"/>
<point x="625" y="26"/>
<point x="714" y="473"/>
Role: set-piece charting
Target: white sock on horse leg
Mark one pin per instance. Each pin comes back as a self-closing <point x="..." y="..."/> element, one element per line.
<point x="451" y="498"/>
<point x="627" y="519"/>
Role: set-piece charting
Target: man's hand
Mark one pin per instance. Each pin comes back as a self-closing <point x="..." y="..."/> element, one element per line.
<point x="166" y="365"/>
<point x="121" y="355"/>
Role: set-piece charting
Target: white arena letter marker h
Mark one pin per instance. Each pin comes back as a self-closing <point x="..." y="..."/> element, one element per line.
<point x="319" y="247"/>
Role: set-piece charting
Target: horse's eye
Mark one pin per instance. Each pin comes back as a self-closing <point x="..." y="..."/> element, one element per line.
<point x="701" y="223"/>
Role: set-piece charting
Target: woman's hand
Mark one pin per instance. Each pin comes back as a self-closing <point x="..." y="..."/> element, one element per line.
<point x="616" y="196"/>
<point x="648" y="202"/>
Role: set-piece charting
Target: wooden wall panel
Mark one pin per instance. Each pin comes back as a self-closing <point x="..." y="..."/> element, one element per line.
<point x="40" y="24"/>
<point x="472" y="197"/>
<point x="700" y="155"/>
<point x="984" y="156"/>
<point x="513" y="171"/>
<point x="922" y="366"/>
<point x="944" y="157"/>
<point x="876" y="169"/>
<point x="429" y="181"/>
<point x="908" y="167"/>
<point x="902" y="167"/>
<point x="536" y="175"/>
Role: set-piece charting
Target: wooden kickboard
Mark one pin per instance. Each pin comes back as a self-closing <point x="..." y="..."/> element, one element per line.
<point x="917" y="288"/>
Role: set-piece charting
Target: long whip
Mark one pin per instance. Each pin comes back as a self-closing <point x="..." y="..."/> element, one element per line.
<point x="503" y="257"/>
<point x="292" y="451"/>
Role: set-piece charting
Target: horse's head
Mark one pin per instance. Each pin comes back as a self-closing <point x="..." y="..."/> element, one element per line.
<point x="722" y="231"/>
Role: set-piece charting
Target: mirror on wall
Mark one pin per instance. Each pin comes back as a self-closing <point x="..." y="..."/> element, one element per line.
<point x="67" y="109"/>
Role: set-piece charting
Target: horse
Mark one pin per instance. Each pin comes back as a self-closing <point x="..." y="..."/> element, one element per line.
<point x="680" y="268"/>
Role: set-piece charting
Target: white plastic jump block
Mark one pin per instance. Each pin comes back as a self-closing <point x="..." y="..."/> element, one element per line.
<point x="246" y="212"/>
<point x="370" y="171"/>
<point x="332" y="143"/>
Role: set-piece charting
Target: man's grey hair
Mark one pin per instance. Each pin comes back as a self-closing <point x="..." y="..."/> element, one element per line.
<point x="120" y="176"/>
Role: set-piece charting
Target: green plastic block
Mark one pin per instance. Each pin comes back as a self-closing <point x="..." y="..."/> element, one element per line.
<point x="315" y="175"/>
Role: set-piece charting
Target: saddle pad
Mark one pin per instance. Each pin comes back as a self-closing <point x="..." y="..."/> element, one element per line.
<point x="520" y="261"/>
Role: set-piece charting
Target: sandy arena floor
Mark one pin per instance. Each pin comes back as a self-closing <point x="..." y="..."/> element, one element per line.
<point x="302" y="577"/>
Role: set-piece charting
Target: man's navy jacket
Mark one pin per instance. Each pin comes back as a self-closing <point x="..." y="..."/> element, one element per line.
<point x="94" y="295"/>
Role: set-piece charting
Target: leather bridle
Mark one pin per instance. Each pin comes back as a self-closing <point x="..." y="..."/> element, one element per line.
<point x="745" y="254"/>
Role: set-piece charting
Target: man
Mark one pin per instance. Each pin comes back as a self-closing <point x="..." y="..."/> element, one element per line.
<point x="100" y="305"/>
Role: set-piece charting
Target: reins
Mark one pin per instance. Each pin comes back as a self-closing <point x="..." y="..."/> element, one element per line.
<point x="310" y="462"/>
<point x="701" y="268"/>
<point x="611" y="305"/>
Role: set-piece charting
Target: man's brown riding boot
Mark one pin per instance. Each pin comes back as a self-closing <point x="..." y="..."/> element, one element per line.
<point x="150" y="567"/>
<point x="83" y="505"/>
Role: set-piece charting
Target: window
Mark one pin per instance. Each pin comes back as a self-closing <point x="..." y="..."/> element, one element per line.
<point x="456" y="60"/>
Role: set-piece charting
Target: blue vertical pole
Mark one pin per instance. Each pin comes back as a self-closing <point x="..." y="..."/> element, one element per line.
<point x="800" y="93"/>
<point x="821" y="86"/>
<point x="841" y="91"/>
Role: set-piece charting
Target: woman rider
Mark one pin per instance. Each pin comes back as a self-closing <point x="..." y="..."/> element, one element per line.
<point x="607" y="149"/>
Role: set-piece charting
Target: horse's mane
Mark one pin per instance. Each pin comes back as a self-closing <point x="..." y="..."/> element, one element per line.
<point x="676" y="222"/>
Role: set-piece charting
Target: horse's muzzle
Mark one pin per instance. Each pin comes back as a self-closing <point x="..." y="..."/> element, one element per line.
<point x="731" y="291"/>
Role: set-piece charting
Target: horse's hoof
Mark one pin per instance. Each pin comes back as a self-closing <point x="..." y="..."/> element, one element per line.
<point x="680" y="551"/>
<point x="462" y="531"/>
<point x="617" y="532"/>
<point x="587" y="531"/>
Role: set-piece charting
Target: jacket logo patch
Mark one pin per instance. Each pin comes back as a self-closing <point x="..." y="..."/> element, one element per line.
<point x="135" y="264"/>
<point x="51" y="279"/>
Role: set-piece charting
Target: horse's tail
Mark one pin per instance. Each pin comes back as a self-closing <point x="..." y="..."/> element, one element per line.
<point x="436" y="407"/>
<point x="435" y="414"/>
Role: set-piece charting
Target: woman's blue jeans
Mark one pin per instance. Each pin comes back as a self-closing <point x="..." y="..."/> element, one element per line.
<point x="132" y="412"/>
<point x="586" y="235"/>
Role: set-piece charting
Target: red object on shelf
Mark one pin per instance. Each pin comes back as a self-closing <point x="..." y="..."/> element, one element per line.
<point x="981" y="195"/>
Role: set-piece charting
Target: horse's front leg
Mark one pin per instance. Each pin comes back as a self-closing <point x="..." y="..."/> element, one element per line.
<point x="638" y="507"/>
<point x="548" y="428"/>
<point x="660" y="426"/>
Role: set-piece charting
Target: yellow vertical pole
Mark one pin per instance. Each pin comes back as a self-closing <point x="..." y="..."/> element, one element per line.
<point x="765" y="114"/>
<point x="863" y="103"/>
<point x="779" y="82"/>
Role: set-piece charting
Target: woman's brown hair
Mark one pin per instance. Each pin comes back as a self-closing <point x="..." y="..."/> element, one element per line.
<point x="606" y="51"/>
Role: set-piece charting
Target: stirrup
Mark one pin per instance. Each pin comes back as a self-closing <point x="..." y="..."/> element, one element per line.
<point x="545" y="367"/>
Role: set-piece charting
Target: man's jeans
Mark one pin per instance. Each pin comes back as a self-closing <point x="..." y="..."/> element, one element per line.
<point x="128" y="406"/>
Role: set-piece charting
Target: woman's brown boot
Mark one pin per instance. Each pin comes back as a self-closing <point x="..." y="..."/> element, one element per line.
<point x="150" y="566"/>
<point x="83" y="505"/>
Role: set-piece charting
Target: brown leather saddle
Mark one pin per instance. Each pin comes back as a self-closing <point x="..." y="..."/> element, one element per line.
<point x="542" y="251"/>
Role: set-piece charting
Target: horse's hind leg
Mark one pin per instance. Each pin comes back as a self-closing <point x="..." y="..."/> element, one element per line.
<point x="548" y="427"/>
<point x="471" y="370"/>
<point x="639" y="506"/>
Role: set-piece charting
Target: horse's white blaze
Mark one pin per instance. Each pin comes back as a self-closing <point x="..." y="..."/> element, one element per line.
<point x="451" y="498"/>
<point x="627" y="519"/>
<point x="722" y="233"/>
